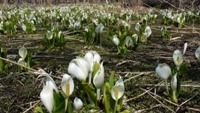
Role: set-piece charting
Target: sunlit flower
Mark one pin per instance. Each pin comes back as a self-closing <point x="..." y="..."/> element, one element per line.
<point x="118" y="90"/>
<point x="197" y="53"/>
<point x="178" y="58"/>
<point x="163" y="71"/>
<point x="22" y="52"/>
<point x="67" y="85"/>
<point x="46" y="94"/>
<point x="79" y="68"/>
<point x="174" y="82"/>
<point x="91" y="57"/>
<point x="78" y="104"/>
<point x="115" y="40"/>
<point x="99" y="77"/>
<point x="129" y="41"/>
<point x="99" y="28"/>
<point x="137" y="27"/>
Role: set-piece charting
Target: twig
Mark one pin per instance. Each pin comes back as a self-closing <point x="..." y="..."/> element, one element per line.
<point x="133" y="98"/>
<point x="161" y="98"/>
<point x="185" y="102"/>
<point x="133" y="77"/>
<point x="27" y="110"/>
<point x="160" y="102"/>
<point x="13" y="62"/>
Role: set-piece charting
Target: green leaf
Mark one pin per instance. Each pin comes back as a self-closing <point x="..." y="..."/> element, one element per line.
<point x="95" y="68"/>
<point x="69" y="107"/>
<point x="112" y="79"/>
<point x="59" y="102"/>
<point x="39" y="109"/>
<point x="90" y="91"/>
<point x="107" y="99"/>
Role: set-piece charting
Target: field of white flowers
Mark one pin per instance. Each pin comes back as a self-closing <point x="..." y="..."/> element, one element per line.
<point x="99" y="59"/>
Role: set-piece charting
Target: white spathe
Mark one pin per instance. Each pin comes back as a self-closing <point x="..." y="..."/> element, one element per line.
<point x="185" y="47"/>
<point x="99" y="28"/>
<point x="91" y="57"/>
<point x="78" y="104"/>
<point x="79" y="68"/>
<point x="148" y="31"/>
<point x="129" y="41"/>
<point x="197" y="53"/>
<point x="67" y="84"/>
<point x="117" y="90"/>
<point x="22" y="52"/>
<point x="46" y="94"/>
<point x="178" y="57"/>
<point x="137" y="27"/>
<point x="115" y="40"/>
<point x="163" y="70"/>
<point x="174" y="82"/>
<point x="99" y="77"/>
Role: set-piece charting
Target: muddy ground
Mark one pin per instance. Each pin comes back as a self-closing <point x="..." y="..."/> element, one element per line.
<point x="19" y="92"/>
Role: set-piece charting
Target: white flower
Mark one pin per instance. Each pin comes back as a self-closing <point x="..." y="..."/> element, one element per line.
<point x="178" y="57"/>
<point x="46" y="94"/>
<point x="99" y="77"/>
<point x="163" y="71"/>
<point x="197" y="53"/>
<point x="174" y="82"/>
<point x="91" y="57"/>
<point x="67" y="85"/>
<point x="24" y="27"/>
<point x="148" y="31"/>
<point x="129" y="41"/>
<point x="115" y="40"/>
<point x="185" y="48"/>
<point x="79" y="68"/>
<point x="117" y="90"/>
<point x="136" y="37"/>
<point x="78" y="104"/>
<point x="144" y="37"/>
<point x="49" y="35"/>
<point x="22" y="52"/>
<point x="22" y="62"/>
<point x="99" y="28"/>
<point x="137" y="27"/>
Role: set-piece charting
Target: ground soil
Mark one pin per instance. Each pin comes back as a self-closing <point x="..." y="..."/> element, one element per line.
<point x="19" y="92"/>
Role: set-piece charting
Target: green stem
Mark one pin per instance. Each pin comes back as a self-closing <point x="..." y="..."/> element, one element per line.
<point x="166" y="86"/>
<point x="115" y="109"/>
<point x="98" y="94"/>
<point x="66" y="102"/>
<point x="174" y="98"/>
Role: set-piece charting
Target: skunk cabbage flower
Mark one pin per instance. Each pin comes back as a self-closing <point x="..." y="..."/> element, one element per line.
<point x="178" y="57"/>
<point x="22" y="62"/>
<point x="197" y="53"/>
<point x="144" y="37"/>
<point x="24" y="27"/>
<point x="118" y="90"/>
<point x="91" y="57"/>
<point x="163" y="70"/>
<point x="46" y="94"/>
<point x="115" y="40"/>
<point x="137" y="27"/>
<point x="129" y="41"/>
<point x="49" y="35"/>
<point x="99" y="28"/>
<point x="79" y="68"/>
<point x="22" y="52"/>
<point x="185" y="48"/>
<point x="99" y="77"/>
<point x="148" y="31"/>
<point x="135" y="36"/>
<point x="67" y="85"/>
<point x="78" y="104"/>
<point x="174" y="82"/>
